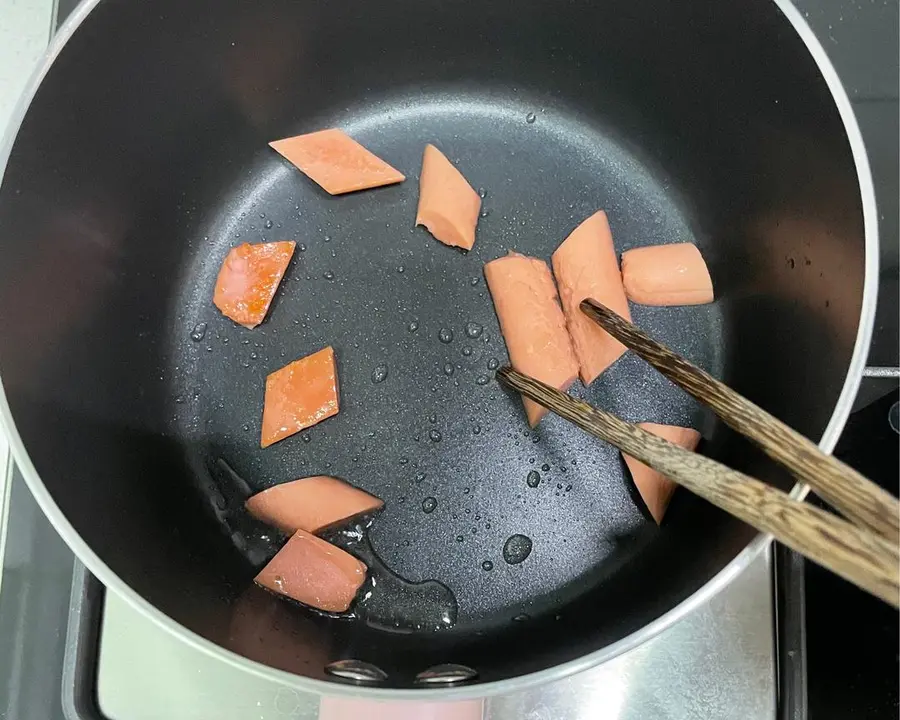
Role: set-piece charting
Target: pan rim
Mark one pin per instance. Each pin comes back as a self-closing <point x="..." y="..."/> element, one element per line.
<point x="719" y="581"/>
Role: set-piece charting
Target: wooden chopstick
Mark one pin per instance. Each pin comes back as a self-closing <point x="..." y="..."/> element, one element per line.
<point x="854" y="496"/>
<point x="854" y="553"/>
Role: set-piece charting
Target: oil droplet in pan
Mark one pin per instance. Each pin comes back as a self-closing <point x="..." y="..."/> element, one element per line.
<point x="389" y="602"/>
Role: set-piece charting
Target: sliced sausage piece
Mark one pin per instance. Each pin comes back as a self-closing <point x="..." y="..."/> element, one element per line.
<point x="248" y="279"/>
<point x="314" y="572"/>
<point x="300" y="395"/>
<point x="336" y="161"/>
<point x="586" y="266"/>
<point x="655" y="488"/>
<point x="666" y="275"/>
<point x="312" y="504"/>
<point x="448" y="206"/>
<point x="532" y="322"/>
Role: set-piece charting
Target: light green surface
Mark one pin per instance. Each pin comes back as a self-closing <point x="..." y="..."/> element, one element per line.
<point x="148" y="674"/>
<point x="24" y="33"/>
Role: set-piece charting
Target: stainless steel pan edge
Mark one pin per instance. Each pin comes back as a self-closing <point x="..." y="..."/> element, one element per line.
<point x="733" y="569"/>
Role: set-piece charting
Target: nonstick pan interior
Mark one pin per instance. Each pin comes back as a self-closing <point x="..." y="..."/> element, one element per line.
<point x="132" y="393"/>
<point x="439" y="429"/>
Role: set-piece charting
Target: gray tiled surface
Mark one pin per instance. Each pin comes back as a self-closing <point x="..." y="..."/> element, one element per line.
<point x="862" y="38"/>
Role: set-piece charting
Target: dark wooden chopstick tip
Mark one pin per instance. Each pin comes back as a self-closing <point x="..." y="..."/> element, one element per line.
<point x="608" y="319"/>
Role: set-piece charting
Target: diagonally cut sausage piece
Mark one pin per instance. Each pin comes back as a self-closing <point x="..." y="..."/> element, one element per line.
<point x="314" y="572"/>
<point x="300" y="395"/>
<point x="448" y="206"/>
<point x="532" y="322"/>
<point x="655" y="488"/>
<point x="586" y="266"/>
<point x="312" y="504"/>
<point x="666" y="275"/>
<point x="336" y="162"/>
<point x="249" y="278"/>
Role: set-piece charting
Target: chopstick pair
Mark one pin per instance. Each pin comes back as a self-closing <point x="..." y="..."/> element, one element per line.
<point x="862" y="549"/>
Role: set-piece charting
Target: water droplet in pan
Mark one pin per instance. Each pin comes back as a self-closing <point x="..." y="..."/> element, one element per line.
<point x="269" y="225"/>
<point x="516" y="549"/>
<point x="482" y="193"/>
<point x="199" y="332"/>
<point x="474" y="330"/>
<point x="482" y="380"/>
<point x="448" y="369"/>
<point x="413" y="326"/>
<point x="379" y="374"/>
<point x="530" y="118"/>
<point x="429" y="505"/>
<point x="487" y="565"/>
<point x="493" y="363"/>
<point x="435" y="435"/>
<point x="445" y="335"/>
<point x="328" y="275"/>
<point x="533" y="479"/>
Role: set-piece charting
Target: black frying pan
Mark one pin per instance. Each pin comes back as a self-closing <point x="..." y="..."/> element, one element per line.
<point x="143" y="159"/>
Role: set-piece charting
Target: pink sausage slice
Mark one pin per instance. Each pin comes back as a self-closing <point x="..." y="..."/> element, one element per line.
<point x="448" y="206"/>
<point x="655" y="488"/>
<point x="586" y="266"/>
<point x="314" y="572"/>
<point x="336" y="162"/>
<point x="666" y="275"/>
<point x="312" y="504"/>
<point x="532" y="322"/>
